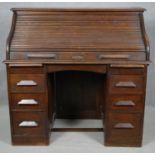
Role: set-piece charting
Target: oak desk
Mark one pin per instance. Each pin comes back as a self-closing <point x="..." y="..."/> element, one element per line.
<point x="77" y="64"/>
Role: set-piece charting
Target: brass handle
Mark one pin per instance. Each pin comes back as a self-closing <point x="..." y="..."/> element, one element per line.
<point x="26" y="83"/>
<point x="42" y="56"/>
<point x="77" y="57"/>
<point x="28" y="124"/>
<point x="129" y="84"/>
<point x="27" y="102"/>
<point x="124" y="126"/>
<point x="114" y="56"/>
<point x="124" y="103"/>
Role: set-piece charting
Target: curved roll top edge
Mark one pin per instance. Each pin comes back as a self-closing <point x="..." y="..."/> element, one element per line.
<point x="10" y="35"/>
<point x="145" y="37"/>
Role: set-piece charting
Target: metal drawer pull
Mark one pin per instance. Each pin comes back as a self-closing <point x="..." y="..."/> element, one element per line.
<point x="27" y="102"/>
<point x="102" y="56"/>
<point x="124" y="103"/>
<point x="124" y="126"/>
<point x="28" y="124"/>
<point x="26" y="83"/>
<point x="43" y="56"/>
<point x="126" y="84"/>
<point x="77" y="57"/>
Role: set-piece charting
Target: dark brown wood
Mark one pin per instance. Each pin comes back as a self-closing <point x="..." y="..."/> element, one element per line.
<point x="79" y="94"/>
<point x="27" y="83"/>
<point x="77" y="56"/>
<point x="27" y="140"/>
<point x="26" y="70"/>
<point x="77" y="63"/>
<point x="126" y="84"/>
<point x="77" y="129"/>
<point x="88" y="68"/>
<point x="133" y="115"/>
<point x="20" y="117"/>
<point x="119" y="62"/>
<point x="27" y="101"/>
<point x="124" y="135"/>
<point x="118" y="70"/>
<point x="79" y="29"/>
<point x="135" y="103"/>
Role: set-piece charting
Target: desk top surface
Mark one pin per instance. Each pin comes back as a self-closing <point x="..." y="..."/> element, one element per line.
<point x="133" y="9"/>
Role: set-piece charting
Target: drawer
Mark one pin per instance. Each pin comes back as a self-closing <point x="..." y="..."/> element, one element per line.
<point x="27" y="101"/>
<point x="27" y="82"/>
<point x="124" y="129"/>
<point x="101" y="57"/>
<point x="126" y="84"/>
<point x="127" y="70"/>
<point x="25" y="70"/>
<point x="126" y="103"/>
<point x="29" y="123"/>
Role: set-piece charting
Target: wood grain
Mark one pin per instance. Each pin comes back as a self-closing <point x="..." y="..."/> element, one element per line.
<point x="84" y="62"/>
<point x="118" y="30"/>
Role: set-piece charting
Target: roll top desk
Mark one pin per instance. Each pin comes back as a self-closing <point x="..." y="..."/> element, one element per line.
<point x="77" y="64"/>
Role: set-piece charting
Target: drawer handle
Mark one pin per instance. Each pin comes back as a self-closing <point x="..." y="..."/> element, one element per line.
<point x="126" y="84"/>
<point x="28" y="124"/>
<point x="27" y="102"/>
<point x="77" y="57"/>
<point x="26" y="83"/>
<point x="42" y="56"/>
<point x="124" y="103"/>
<point x="102" y="56"/>
<point x="124" y="126"/>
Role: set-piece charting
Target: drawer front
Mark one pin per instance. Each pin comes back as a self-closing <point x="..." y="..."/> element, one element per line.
<point x="128" y="70"/>
<point x="27" y="83"/>
<point x="124" y="129"/>
<point x="126" y="103"/>
<point x="27" y="101"/>
<point x="100" y="57"/>
<point x="126" y="84"/>
<point x="25" y="70"/>
<point x="28" y="123"/>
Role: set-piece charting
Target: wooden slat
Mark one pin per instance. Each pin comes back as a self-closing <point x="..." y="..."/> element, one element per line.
<point x="25" y="65"/>
<point x="74" y="30"/>
<point x="77" y="129"/>
<point x="82" y="17"/>
<point x="127" y="66"/>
